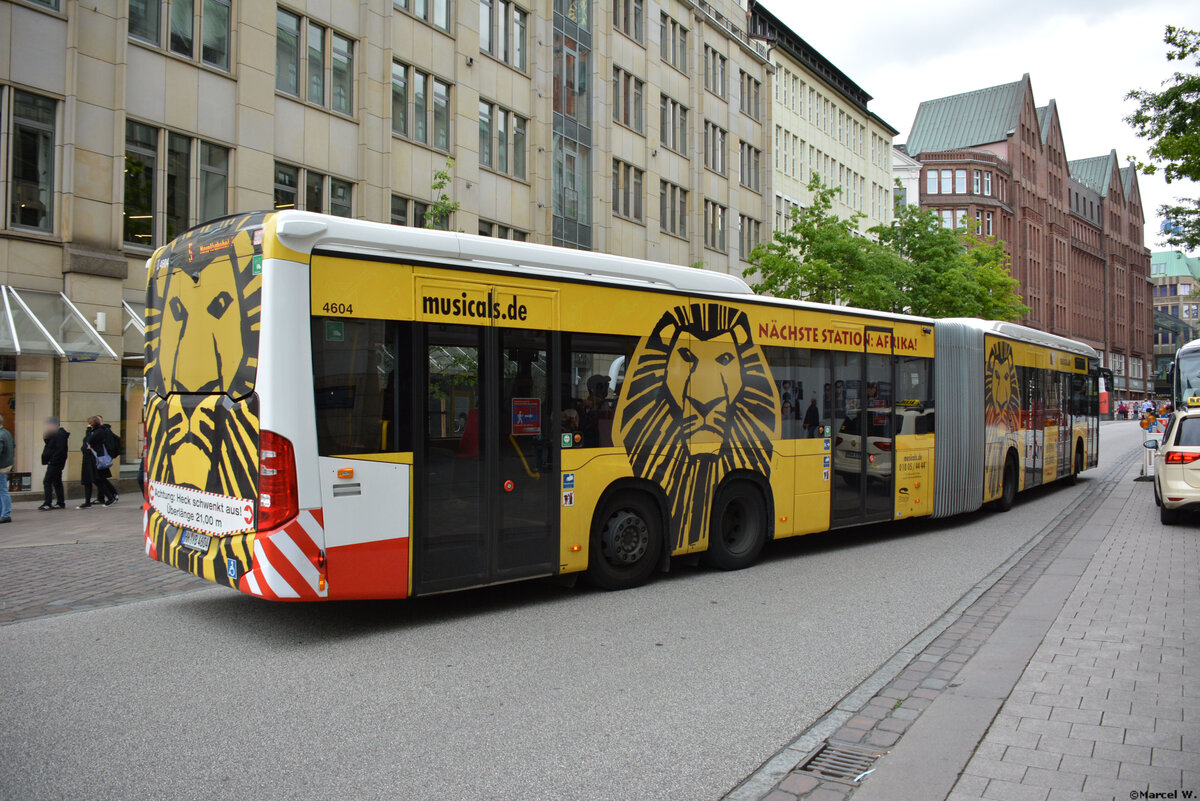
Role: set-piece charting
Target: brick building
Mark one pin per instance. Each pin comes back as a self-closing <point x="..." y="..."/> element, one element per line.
<point x="1176" y="279"/>
<point x="1073" y="229"/>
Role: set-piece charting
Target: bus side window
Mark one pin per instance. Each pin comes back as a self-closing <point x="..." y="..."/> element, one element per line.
<point x="358" y="367"/>
<point x="593" y="379"/>
<point x="801" y="376"/>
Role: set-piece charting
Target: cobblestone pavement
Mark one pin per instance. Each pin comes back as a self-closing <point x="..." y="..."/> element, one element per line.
<point x="1106" y="706"/>
<point x="1110" y="703"/>
<point x="63" y="561"/>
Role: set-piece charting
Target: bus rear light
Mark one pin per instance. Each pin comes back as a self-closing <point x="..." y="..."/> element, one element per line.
<point x="1179" y="457"/>
<point x="278" y="496"/>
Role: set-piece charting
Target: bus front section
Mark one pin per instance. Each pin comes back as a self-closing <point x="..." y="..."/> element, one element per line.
<point x="221" y="491"/>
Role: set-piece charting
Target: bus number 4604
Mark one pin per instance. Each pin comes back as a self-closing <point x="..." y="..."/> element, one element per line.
<point x="338" y="308"/>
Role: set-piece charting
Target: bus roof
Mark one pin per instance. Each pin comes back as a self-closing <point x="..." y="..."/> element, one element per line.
<point x="304" y="232"/>
<point x="1022" y="333"/>
<point x="1189" y="347"/>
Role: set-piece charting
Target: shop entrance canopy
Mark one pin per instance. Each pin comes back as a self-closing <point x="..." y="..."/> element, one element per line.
<point x="47" y="324"/>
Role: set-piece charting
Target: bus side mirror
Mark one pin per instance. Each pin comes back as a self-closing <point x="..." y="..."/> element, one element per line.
<point x="1150" y="444"/>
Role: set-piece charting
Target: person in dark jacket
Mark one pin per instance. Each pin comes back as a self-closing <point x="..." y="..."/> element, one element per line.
<point x="54" y="456"/>
<point x="108" y="440"/>
<point x="89" y="474"/>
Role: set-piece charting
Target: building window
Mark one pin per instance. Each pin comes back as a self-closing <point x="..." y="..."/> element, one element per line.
<point x="714" y="147"/>
<point x="751" y="91"/>
<point x="161" y="199"/>
<point x="960" y="216"/>
<point x="672" y="125"/>
<point x="502" y="31"/>
<point x="749" y="231"/>
<point x="501" y="231"/>
<point x="502" y="139"/>
<point x="32" y="187"/>
<point x="627" y="100"/>
<point x="987" y="184"/>
<point x="326" y="73"/>
<point x="977" y="182"/>
<point x="750" y="158"/>
<point x="214" y="182"/>
<point x="413" y="115"/>
<point x="672" y="208"/>
<point x="987" y="224"/>
<point x="321" y="192"/>
<point x="931" y="182"/>
<point x="435" y="12"/>
<point x="406" y="211"/>
<point x="627" y="18"/>
<point x="947" y="218"/>
<point x="715" y="219"/>
<point x="673" y="43"/>
<point x="960" y="182"/>
<point x="141" y="159"/>
<point x="182" y="18"/>
<point x="947" y="182"/>
<point x="627" y="183"/>
<point x="571" y="78"/>
<point x="715" y="67"/>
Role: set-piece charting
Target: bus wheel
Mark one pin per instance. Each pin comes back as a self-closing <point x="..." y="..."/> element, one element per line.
<point x="1009" y="492"/>
<point x="626" y="542"/>
<point x="739" y="528"/>
<point x="1078" y="463"/>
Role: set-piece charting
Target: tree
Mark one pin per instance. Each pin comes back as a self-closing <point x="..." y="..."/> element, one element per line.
<point x="913" y="265"/>
<point x="1170" y="121"/>
<point x="822" y="258"/>
<point x="949" y="272"/>
<point x="438" y="213"/>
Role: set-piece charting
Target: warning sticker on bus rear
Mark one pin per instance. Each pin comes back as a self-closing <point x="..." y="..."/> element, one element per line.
<point x="201" y="511"/>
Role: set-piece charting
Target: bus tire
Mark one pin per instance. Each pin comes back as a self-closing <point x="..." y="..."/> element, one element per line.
<point x="739" y="527"/>
<point x="1008" y="493"/>
<point x="626" y="541"/>
<point x="1077" y="468"/>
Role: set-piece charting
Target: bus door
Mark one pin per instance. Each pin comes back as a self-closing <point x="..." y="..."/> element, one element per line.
<point x="1033" y="412"/>
<point x="863" y="434"/>
<point x="486" y="486"/>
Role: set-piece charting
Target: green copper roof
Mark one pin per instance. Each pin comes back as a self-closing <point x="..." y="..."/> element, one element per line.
<point x="1172" y="263"/>
<point x="1094" y="172"/>
<point x="973" y="118"/>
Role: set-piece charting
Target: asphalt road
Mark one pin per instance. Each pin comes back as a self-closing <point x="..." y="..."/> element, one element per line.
<point x="673" y="691"/>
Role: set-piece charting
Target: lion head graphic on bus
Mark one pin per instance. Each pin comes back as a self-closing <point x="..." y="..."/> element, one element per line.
<point x="202" y="327"/>
<point x="1002" y="410"/>
<point x="698" y="403"/>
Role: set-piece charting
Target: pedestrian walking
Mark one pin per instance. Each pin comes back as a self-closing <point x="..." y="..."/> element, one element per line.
<point x="89" y="474"/>
<point x="107" y="453"/>
<point x="54" y="457"/>
<point x="7" y="454"/>
<point x="1122" y="411"/>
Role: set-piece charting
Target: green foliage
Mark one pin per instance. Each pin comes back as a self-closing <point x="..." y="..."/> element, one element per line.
<point x="1170" y="121"/>
<point x="822" y="258"/>
<point x="438" y="215"/>
<point x="914" y="265"/>
<point x="950" y="272"/>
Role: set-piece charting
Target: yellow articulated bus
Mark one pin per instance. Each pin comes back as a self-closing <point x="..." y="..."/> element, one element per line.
<point x="341" y="409"/>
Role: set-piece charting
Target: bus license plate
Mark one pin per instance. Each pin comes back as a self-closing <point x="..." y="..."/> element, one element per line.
<point x="196" y="541"/>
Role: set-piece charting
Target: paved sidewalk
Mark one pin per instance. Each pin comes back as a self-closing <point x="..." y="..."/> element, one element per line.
<point x="66" y="560"/>
<point x="1064" y="675"/>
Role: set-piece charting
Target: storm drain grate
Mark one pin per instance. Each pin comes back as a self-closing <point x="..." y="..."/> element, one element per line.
<point x="840" y="762"/>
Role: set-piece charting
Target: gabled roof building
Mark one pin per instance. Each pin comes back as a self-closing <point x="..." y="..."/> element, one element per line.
<point x="1073" y="229"/>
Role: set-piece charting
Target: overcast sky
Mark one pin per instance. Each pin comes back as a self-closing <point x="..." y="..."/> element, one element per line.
<point x="1085" y="55"/>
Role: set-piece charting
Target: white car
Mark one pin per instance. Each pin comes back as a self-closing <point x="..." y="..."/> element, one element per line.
<point x="849" y="441"/>
<point x="1177" y="466"/>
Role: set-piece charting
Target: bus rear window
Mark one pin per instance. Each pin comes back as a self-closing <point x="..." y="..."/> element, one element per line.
<point x="362" y="373"/>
